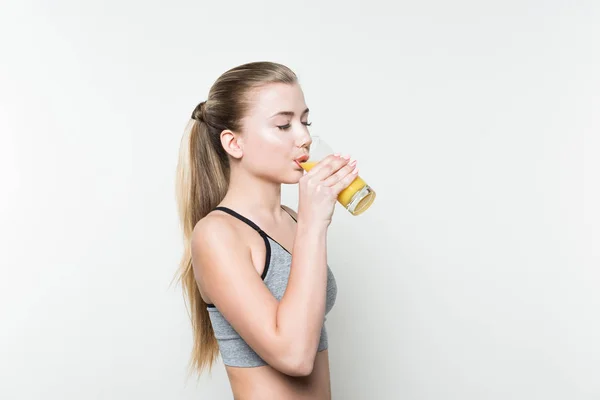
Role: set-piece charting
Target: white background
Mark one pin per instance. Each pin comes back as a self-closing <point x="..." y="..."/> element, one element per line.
<point x="475" y="275"/>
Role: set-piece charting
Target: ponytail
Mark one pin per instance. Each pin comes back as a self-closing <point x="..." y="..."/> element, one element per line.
<point x="201" y="184"/>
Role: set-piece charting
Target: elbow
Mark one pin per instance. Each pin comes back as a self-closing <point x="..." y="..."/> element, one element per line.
<point x="304" y="368"/>
<point x="299" y="365"/>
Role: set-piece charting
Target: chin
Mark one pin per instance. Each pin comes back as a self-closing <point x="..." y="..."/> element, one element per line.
<point x="292" y="178"/>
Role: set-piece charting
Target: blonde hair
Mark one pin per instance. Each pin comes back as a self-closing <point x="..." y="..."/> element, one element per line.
<point x="202" y="179"/>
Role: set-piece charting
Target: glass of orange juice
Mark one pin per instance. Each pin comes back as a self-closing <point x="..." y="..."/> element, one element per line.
<point x="357" y="197"/>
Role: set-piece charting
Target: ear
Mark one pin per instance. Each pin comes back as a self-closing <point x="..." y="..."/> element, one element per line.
<point x="232" y="143"/>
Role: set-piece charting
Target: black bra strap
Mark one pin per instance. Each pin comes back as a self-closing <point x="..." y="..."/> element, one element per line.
<point x="262" y="233"/>
<point x="241" y="218"/>
<point x="246" y="220"/>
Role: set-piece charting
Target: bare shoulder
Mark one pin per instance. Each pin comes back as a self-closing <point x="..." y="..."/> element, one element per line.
<point x="213" y="239"/>
<point x="212" y="230"/>
<point x="209" y="235"/>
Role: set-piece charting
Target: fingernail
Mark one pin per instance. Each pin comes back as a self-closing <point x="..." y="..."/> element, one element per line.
<point x="347" y="157"/>
<point x="336" y="154"/>
<point x="352" y="163"/>
<point x="355" y="170"/>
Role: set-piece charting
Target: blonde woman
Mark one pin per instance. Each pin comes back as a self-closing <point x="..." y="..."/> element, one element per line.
<point x="255" y="272"/>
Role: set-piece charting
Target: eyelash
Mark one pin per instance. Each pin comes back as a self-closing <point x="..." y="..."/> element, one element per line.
<point x="288" y="126"/>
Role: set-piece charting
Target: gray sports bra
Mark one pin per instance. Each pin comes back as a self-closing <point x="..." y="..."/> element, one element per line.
<point x="234" y="350"/>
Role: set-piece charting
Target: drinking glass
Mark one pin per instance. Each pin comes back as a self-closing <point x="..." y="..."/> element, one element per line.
<point x="358" y="196"/>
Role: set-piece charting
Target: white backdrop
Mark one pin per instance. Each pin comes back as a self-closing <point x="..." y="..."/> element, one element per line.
<point x="475" y="275"/>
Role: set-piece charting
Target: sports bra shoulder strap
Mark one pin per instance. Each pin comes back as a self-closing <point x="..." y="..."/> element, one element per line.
<point x="240" y="217"/>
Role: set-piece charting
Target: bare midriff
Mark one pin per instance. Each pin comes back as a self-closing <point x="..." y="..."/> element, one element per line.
<point x="266" y="383"/>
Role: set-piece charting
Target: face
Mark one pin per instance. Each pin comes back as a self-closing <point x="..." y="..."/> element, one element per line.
<point x="274" y="134"/>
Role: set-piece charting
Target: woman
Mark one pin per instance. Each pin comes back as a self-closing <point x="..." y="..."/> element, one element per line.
<point x="255" y="272"/>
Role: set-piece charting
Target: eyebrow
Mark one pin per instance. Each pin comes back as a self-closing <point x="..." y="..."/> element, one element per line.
<point x="289" y="113"/>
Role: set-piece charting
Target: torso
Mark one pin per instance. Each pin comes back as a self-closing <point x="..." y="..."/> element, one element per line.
<point x="265" y="382"/>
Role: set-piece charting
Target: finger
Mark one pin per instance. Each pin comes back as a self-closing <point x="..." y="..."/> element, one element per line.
<point x="324" y="164"/>
<point x="340" y="174"/>
<point x="328" y="166"/>
<point x="345" y="181"/>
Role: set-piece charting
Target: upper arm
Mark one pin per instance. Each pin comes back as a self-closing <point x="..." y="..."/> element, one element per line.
<point x="225" y="273"/>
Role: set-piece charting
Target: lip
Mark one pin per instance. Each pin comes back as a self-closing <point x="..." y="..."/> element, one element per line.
<point x="302" y="159"/>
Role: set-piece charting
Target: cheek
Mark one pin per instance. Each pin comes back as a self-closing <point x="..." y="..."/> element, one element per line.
<point x="268" y="155"/>
<point x="269" y="148"/>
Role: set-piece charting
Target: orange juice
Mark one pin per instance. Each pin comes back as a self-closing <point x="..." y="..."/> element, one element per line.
<point x="349" y="197"/>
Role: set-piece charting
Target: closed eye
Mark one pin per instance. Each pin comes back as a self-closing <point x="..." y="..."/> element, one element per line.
<point x="288" y="126"/>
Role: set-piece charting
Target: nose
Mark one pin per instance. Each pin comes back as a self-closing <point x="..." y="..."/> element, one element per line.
<point x="304" y="139"/>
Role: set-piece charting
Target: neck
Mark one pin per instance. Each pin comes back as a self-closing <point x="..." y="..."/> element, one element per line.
<point x="250" y="195"/>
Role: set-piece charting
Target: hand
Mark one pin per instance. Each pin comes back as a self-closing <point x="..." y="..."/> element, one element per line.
<point x="320" y="187"/>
